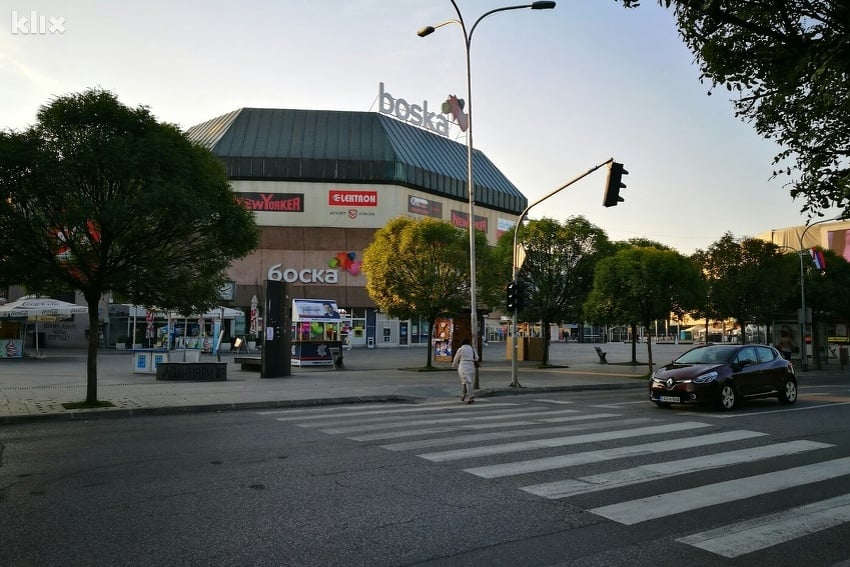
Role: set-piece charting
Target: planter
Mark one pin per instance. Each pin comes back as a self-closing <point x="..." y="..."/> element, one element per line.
<point x="252" y="345"/>
<point x="120" y="345"/>
<point x="224" y="347"/>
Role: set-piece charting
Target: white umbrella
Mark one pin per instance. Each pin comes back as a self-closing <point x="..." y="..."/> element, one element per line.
<point x="34" y="308"/>
<point x="254" y="328"/>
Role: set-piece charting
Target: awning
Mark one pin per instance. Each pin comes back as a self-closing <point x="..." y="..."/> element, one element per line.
<point x="34" y="308"/>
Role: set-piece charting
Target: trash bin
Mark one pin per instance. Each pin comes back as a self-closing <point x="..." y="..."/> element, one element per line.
<point x="370" y="342"/>
<point x="157" y="358"/>
<point x="142" y="362"/>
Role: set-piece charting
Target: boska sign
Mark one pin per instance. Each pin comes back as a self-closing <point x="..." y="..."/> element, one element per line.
<point x="307" y="275"/>
<point x="412" y="113"/>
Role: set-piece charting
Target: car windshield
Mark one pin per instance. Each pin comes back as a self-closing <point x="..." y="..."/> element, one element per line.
<point x="705" y="355"/>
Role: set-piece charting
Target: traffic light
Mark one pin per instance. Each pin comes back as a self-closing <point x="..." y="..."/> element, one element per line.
<point x="521" y="295"/>
<point x="511" y="296"/>
<point x="613" y="184"/>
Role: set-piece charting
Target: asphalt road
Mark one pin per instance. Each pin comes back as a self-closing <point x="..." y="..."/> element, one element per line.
<point x="578" y="479"/>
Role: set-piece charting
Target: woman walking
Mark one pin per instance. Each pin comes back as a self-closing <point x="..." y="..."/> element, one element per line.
<point x="465" y="360"/>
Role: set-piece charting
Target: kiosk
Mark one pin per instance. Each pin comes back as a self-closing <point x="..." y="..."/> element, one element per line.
<point x="318" y="329"/>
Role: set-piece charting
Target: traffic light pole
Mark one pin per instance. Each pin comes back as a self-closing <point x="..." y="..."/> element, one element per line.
<point x="516" y="266"/>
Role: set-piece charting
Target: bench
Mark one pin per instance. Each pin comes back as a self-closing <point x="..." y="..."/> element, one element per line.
<point x="249" y="362"/>
<point x="192" y="371"/>
<point x="601" y="354"/>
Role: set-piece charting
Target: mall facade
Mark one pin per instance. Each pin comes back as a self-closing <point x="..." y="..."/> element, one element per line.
<point x="320" y="183"/>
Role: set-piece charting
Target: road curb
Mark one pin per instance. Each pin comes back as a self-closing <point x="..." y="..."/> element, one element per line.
<point x="101" y="413"/>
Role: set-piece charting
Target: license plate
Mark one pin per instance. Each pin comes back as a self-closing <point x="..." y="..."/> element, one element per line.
<point x="669" y="399"/>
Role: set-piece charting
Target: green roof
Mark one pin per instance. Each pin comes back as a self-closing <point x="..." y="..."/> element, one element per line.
<point x="350" y="147"/>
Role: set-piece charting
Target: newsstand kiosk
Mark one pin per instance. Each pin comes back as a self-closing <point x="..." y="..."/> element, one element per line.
<point x="317" y="329"/>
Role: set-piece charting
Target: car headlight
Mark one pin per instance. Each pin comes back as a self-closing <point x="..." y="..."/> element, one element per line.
<point x="705" y="378"/>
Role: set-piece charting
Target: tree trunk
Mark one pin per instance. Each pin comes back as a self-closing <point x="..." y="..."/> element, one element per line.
<point x="649" y="352"/>
<point x="91" y="358"/>
<point x="545" y="361"/>
<point x="633" y="327"/>
<point x="429" y="351"/>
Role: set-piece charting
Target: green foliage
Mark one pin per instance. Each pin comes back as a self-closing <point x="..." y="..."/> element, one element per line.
<point x="100" y="197"/>
<point x="827" y="292"/>
<point x="639" y="285"/>
<point x="642" y="285"/>
<point x="419" y="268"/>
<point x="786" y="63"/>
<point x="558" y="267"/>
<point x="737" y="273"/>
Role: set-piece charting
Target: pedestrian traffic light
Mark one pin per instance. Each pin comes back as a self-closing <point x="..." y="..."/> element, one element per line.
<point x="521" y="295"/>
<point x="511" y="296"/>
<point x="613" y="184"/>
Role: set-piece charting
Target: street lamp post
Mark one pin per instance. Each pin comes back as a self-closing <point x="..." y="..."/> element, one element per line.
<point x="470" y="182"/>
<point x="803" y="351"/>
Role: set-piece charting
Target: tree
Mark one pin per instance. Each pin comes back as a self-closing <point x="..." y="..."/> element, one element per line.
<point x="736" y="272"/>
<point x="640" y="285"/>
<point x="99" y="197"/>
<point x="558" y="268"/>
<point x="787" y="62"/>
<point x="420" y="268"/>
<point x="827" y="295"/>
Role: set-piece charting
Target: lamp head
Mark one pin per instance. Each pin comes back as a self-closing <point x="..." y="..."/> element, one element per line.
<point x="542" y="5"/>
<point x="427" y="30"/>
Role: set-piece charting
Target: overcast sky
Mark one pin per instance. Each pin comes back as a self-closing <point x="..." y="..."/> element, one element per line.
<point x="555" y="92"/>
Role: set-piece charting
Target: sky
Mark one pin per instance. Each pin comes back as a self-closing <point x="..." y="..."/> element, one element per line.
<point x="555" y="92"/>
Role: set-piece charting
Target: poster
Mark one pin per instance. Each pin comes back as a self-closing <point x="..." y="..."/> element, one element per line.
<point x="11" y="348"/>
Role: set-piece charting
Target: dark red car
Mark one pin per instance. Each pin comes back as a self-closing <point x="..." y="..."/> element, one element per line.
<point x="723" y="375"/>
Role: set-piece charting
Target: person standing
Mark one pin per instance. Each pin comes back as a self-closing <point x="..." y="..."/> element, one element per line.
<point x="465" y="360"/>
<point x="785" y="344"/>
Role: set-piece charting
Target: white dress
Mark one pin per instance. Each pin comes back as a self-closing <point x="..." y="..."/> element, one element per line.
<point x="464" y="360"/>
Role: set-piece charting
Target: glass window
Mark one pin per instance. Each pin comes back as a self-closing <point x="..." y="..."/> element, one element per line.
<point x="746" y="356"/>
<point x="766" y="354"/>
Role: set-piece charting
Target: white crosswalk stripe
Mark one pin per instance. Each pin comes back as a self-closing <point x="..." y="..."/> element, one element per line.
<point x="544" y="416"/>
<point x="494" y="425"/>
<point x="443" y="441"/>
<point x="508" y="431"/>
<point x="751" y="535"/>
<point x="489" y="450"/>
<point x="647" y="473"/>
<point x="667" y="504"/>
<point x="387" y="413"/>
<point x="564" y="461"/>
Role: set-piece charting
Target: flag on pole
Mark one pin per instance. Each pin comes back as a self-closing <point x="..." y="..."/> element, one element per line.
<point x="818" y="259"/>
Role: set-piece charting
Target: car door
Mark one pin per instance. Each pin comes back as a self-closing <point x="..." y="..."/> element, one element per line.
<point x="746" y="371"/>
<point x="772" y="373"/>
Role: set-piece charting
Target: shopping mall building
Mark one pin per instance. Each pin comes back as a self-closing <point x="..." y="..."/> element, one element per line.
<point x="322" y="182"/>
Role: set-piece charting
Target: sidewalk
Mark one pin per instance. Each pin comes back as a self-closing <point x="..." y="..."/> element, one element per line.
<point x="36" y="388"/>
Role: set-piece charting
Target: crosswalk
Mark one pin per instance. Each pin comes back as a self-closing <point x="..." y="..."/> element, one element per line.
<point x="518" y="439"/>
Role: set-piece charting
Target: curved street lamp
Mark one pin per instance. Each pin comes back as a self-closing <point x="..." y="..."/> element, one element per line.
<point x="803" y="350"/>
<point x="470" y="182"/>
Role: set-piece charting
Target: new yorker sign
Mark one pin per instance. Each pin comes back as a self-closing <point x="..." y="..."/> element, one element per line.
<point x="412" y="113"/>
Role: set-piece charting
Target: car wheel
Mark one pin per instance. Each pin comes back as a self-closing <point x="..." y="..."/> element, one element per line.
<point x="662" y="404"/>
<point x="728" y="397"/>
<point x="788" y="393"/>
